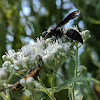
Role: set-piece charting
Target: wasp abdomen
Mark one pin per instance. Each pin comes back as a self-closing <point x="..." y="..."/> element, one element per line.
<point x="71" y="33"/>
<point x="17" y="86"/>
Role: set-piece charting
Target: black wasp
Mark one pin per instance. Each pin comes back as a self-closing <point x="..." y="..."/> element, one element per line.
<point x="71" y="33"/>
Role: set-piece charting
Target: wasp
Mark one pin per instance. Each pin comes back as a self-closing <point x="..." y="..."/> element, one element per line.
<point x="57" y="31"/>
<point x="34" y="72"/>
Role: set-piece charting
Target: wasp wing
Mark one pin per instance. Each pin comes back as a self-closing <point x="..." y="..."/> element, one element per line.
<point x="69" y="17"/>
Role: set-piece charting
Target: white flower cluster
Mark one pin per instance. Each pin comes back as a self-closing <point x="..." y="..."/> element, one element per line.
<point x="56" y="54"/>
<point x="85" y="35"/>
<point x="29" y="83"/>
<point x="52" y="53"/>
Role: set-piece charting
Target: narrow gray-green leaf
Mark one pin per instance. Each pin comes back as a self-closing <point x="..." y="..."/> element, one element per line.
<point x="78" y="79"/>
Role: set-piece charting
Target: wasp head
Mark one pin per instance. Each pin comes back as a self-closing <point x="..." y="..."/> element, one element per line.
<point x="49" y="32"/>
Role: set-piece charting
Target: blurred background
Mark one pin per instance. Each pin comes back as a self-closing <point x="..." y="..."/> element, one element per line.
<point x="22" y="20"/>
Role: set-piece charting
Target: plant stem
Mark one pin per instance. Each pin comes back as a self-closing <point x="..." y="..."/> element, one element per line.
<point x="46" y="90"/>
<point x="4" y="96"/>
<point x="11" y="75"/>
<point x="76" y="66"/>
<point x="7" y="91"/>
<point x="52" y="84"/>
<point x="76" y="60"/>
<point x="32" y="97"/>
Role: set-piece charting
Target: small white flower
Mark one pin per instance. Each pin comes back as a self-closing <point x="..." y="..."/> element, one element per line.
<point x="75" y="27"/>
<point x="4" y="57"/>
<point x="37" y="84"/>
<point x="27" y="50"/>
<point x="17" y="63"/>
<point x="25" y="59"/>
<point x="11" y="54"/>
<point x="25" y="66"/>
<point x="23" y="82"/>
<point x="28" y="93"/>
<point x="32" y="61"/>
<point x="6" y="64"/>
<point x="30" y="82"/>
<point x="85" y="35"/>
<point x="11" y="68"/>
<point x="16" y="68"/>
<point x="4" y="69"/>
<point x="3" y="75"/>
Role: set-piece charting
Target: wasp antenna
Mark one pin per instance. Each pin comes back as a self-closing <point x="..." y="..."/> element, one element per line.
<point x="69" y="17"/>
<point x="37" y="36"/>
<point x="54" y="72"/>
<point x="59" y="75"/>
<point x="5" y="89"/>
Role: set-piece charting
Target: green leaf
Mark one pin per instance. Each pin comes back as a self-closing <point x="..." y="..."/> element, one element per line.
<point x="78" y="91"/>
<point x="78" y="79"/>
<point x="91" y="20"/>
<point x="66" y="83"/>
<point x="71" y="67"/>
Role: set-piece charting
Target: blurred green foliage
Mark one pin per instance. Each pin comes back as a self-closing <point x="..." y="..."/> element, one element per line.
<point x="22" y="20"/>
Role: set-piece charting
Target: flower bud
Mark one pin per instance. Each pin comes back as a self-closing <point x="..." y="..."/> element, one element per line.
<point x="37" y="84"/>
<point x="16" y="68"/>
<point x="17" y="62"/>
<point x="28" y="93"/>
<point x="11" y="68"/>
<point x="3" y="75"/>
<point x="85" y="35"/>
<point x="4" y="57"/>
<point x="6" y="64"/>
<point x="23" y="82"/>
<point x="25" y="66"/>
<point x="4" y="69"/>
<point x="30" y="82"/>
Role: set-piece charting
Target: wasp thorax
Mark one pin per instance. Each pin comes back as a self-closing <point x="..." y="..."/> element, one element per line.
<point x="44" y="33"/>
<point x="50" y="29"/>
